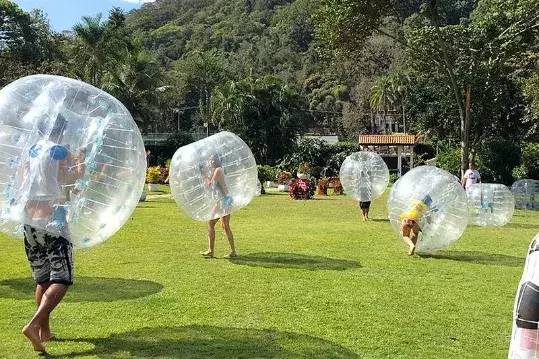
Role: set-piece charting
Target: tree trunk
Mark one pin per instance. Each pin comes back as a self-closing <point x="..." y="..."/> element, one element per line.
<point x="464" y="108"/>
<point x="465" y="132"/>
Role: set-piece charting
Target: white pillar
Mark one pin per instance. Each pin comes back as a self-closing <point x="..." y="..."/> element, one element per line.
<point x="399" y="159"/>
<point x="411" y="157"/>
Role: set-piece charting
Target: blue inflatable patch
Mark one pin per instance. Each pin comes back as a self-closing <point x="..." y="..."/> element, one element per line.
<point x="34" y="151"/>
<point x="58" y="152"/>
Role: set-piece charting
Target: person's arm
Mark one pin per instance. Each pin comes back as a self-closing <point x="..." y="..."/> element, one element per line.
<point x="464" y="178"/>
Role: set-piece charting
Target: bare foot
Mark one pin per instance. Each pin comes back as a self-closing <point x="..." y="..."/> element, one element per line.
<point x="32" y="334"/>
<point x="46" y="335"/>
<point x="207" y="254"/>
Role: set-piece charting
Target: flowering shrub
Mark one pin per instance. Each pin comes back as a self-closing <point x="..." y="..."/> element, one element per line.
<point x="301" y="189"/>
<point x="335" y="182"/>
<point x="322" y="187"/>
<point x="283" y="177"/>
<point x="153" y="174"/>
<point x="164" y="173"/>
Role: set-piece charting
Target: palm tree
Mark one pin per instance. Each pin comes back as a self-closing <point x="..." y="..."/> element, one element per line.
<point x="90" y="48"/>
<point x="135" y="83"/>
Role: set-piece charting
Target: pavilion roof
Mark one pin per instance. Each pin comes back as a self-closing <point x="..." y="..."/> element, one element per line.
<point x="395" y="139"/>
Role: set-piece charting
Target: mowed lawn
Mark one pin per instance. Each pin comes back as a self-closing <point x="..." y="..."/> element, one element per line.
<point x="313" y="281"/>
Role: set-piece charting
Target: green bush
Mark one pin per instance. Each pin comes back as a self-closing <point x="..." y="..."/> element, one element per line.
<point x="449" y="159"/>
<point x="324" y="160"/>
<point x="267" y="173"/>
<point x="519" y="172"/>
<point x="393" y="177"/>
<point x="497" y="159"/>
<point x="153" y="174"/>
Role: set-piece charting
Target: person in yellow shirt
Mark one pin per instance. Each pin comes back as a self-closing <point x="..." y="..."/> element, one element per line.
<point x="410" y="228"/>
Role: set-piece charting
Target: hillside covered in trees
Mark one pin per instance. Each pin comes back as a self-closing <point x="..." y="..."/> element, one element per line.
<point x="453" y="70"/>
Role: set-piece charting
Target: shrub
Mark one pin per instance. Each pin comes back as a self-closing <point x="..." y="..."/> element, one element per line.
<point x="393" y="177"/>
<point x="301" y="189"/>
<point x="267" y="173"/>
<point x="449" y="159"/>
<point x="164" y="173"/>
<point x="335" y="182"/>
<point x="153" y="174"/>
<point x="496" y="160"/>
<point x="322" y="187"/>
<point x="519" y="172"/>
<point x="283" y="177"/>
<point x="323" y="159"/>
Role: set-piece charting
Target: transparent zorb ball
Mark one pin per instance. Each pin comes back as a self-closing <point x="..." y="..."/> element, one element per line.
<point x="435" y="200"/>
<point x="73" y="161"/>
<point x="214" y="177"/>
<point x="490" y="204"/>
<point x="525" y="334"/>
<point x="364" y="176"/>
<point x="526" y="193"/>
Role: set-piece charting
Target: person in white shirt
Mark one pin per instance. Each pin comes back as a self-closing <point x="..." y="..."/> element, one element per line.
<point x="471" y="176"/>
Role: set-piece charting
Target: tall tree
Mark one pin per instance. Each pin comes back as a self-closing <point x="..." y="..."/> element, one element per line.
<point x="264" y="112"/>
<point x="456" y="52"/>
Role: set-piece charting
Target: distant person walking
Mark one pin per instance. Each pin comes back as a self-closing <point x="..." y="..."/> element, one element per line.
<point x="471" y="176"/>
<point x="365" y="206"/>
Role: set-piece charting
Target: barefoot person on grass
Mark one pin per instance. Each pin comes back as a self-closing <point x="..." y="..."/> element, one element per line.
<point x="216" y="181"/>
<point x="410" y="228"/>
<point x="365" y="206"/>
<point x="49" y="168"/>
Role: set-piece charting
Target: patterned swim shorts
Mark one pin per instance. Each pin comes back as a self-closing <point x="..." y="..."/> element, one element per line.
<point x="50" y="256"/>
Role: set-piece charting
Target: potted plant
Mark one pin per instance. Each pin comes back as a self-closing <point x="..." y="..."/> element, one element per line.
<point x="301" y="189"/>
<point x="303" y="171"/>
<point x="153" y="177"/>
<point x="336" y="184"/>
<point x="282" y="179"/>
<point x="322" y="187"/>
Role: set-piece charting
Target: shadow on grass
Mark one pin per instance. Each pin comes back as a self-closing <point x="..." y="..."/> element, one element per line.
<point x="201" y="341"/>
<point x="521" y="226"/>
<point x="86" y="289"/>
<point x="295" y="261"/>
<point x="378" y="220"/>
<point x="478" y="257"/>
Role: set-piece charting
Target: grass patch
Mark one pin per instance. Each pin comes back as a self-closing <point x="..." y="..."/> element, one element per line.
<point x="313" y="281"/>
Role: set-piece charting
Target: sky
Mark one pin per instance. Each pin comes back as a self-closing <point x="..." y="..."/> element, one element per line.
<point x="63" y="14"/>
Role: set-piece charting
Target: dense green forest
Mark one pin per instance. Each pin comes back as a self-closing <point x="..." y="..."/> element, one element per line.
<point x="464" y="73"/>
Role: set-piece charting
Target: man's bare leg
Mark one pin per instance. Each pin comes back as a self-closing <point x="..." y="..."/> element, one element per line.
<point x="228" y="232"/>
<point x="50" y="299"/>
<point x="411" y="245"/>
<point x="45" y="331"/>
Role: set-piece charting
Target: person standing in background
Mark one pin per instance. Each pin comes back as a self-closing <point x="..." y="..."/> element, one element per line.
<point x="471" y="176"/>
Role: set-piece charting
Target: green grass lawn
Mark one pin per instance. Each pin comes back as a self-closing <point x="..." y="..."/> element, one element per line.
<point x="312" y="281"/>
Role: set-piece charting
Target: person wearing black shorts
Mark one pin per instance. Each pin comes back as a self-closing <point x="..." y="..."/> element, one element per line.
<point x="364" y="206"/>
<point x="46" y="234"/>
<point x="51" y="261"/>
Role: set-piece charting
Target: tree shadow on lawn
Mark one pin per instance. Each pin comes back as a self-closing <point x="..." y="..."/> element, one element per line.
<point x="478" y="257"/>
<point x="86" y="289"/>
<point x="294" y="261"/>
<point x="521" y="226"/>
<point x="202" y="341"/>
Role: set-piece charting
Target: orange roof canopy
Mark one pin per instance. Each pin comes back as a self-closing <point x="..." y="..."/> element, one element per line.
<point x="388" y="139"/>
